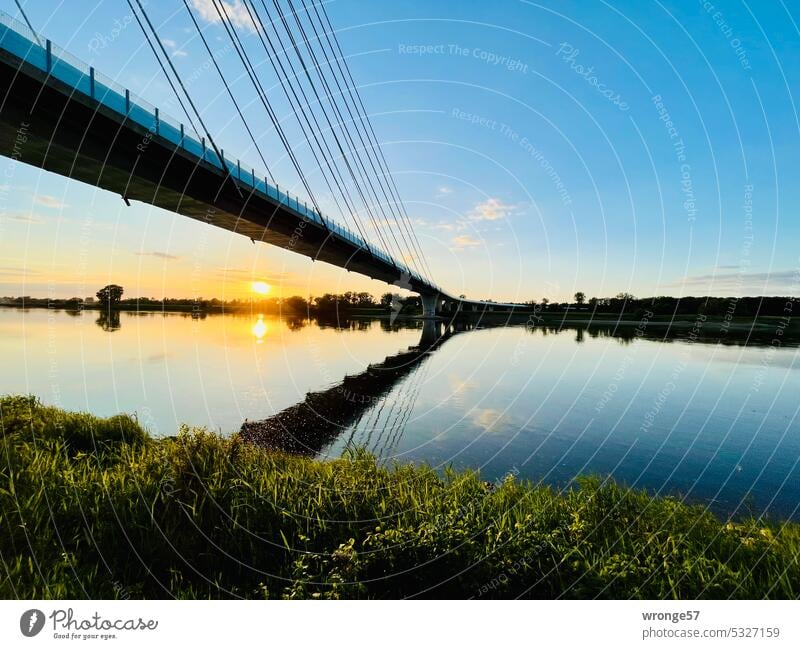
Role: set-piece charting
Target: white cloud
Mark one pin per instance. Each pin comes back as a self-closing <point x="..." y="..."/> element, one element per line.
<point x="492" y="209"/>
<point x="158" y="254"/>
<point x="438" y="225"/>
<point x="173" y="47"/>
<point x="17" y="271"/>
<point x="465" y="241"/>
<point x="244" y="274"/>
<point x="442" y="191"/>
<point x="785" y="281"/>
<point x="24" y="217"/>
<point x="235" y="10"/>
<point x="49" y="201"/>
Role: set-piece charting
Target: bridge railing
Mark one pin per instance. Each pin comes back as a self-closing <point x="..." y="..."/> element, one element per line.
<point x="82" y="78"/>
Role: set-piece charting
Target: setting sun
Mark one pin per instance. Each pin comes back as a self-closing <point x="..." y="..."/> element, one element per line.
<point x="262" y="288"/>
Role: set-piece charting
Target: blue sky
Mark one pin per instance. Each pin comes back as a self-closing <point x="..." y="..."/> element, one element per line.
<point x="541" y="148"/>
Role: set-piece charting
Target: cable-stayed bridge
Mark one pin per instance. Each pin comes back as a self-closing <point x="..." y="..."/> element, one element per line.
<point x="62" y="115"/>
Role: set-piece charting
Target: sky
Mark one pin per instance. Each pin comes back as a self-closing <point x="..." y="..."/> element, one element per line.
<point x="541" y="148"/>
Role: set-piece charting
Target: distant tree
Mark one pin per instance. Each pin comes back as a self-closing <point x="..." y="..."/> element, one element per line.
<point x="110" y="295"/>
<point x="295" y="305"/>
<point x="412" y="302"/>
<point x="545" y="302"/>
<point x="327" y="302"/>
<point x="580" y="297"/>
<point x="365" y="299"/>
<point x="386" y="299"/>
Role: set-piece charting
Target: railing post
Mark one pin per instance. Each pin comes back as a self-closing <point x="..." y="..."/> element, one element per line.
<point x="91" y="82"/>
<point x="127" y="101"/>
<point x="239" y="170"/>
<point x="49" y="55"/>
<point x="182" y="135"/>
<point x="203" y="140"/>
<point x="157" y="129"/>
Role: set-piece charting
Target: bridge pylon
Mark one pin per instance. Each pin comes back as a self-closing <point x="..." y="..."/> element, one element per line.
<point x="429" y="303"/>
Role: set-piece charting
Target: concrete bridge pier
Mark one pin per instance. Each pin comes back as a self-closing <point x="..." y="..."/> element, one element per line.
<point x="431" y="334"/>
<point x="429" y="302"/>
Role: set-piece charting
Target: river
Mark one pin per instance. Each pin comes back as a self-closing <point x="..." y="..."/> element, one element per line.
<point x="714" y="422"/>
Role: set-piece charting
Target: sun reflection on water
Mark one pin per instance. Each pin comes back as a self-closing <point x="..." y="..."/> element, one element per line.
<point x="259" y="329"/>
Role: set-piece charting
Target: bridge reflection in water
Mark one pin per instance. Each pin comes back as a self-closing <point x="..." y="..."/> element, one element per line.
<point x="310" y="426"/>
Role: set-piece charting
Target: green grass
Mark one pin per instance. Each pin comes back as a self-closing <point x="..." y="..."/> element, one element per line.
<point x="93" y="507"/>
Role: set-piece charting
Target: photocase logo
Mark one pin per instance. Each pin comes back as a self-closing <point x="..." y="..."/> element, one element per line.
<point x="31" y="622"/>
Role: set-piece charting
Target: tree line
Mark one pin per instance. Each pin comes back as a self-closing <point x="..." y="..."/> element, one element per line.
<point x="111" y="297"/>
<point x="665" y="305"/>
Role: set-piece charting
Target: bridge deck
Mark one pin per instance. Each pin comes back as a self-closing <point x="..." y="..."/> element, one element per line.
<point x="78" y="123"/>
<point x="61" y="115"/>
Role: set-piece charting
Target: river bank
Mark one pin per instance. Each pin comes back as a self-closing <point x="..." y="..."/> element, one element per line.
<point x="95" y="507"/>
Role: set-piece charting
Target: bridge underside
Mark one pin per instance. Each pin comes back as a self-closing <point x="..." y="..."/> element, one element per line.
<point x="44" y="124"/>
<point x="48" y="124"/>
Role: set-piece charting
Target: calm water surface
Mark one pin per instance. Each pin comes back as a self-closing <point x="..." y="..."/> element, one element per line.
<point x="715" y="423"/>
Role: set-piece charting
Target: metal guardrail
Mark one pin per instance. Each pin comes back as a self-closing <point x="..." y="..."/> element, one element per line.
<point x="21" y="42"/>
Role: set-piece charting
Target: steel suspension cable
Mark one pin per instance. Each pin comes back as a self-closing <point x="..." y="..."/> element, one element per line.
<point x="28" y="23"/>
<point x="186" y="92"/>
<point x="227" y="87"/>
<point x="163" y="69"/>
<point x="364" y="119"/>
<point x="353" y="148"/>
<point x="333" y="132"/>
<point x="352" y="85"/>
<point x="268" y="106"/>
<point x="275" y="61"/>
<point x="380" y="175"/>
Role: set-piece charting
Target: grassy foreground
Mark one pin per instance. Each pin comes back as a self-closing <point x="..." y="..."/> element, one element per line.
<point x="93" y="507"/>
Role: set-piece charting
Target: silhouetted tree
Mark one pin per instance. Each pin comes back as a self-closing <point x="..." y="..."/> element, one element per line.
<point x="364" y="299"/>
<point x="412" y="302"/>
<point x="110" y="295"/>
<point x="580" y="297"/>
<point x="327" y="303"/>
<point x="295" y="305"/>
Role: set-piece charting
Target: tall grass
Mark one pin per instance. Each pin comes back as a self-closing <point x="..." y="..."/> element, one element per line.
<point x="93" y="507"/>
